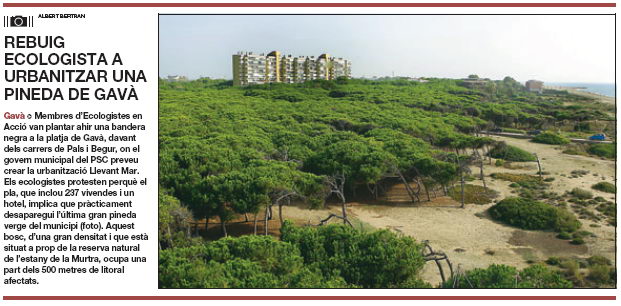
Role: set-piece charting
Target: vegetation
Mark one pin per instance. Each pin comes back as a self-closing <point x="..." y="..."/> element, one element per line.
<point x="520" y="179"/>
<point x="577" y="241"/>
<point x="581" y="193"/>
<point x="605" y="187"/>
<point x="550" y="138"/>
<point x="602" y="274"/>
<point x="606" y="150"/>
<point x="593" y="272"/>
<point x="379" y="259"/>
<point x="473" y="194"/>
<point x="534" y="215"/>
<point x="174" y="229"/>
<point x="502" y="276"/>
<point x="575" y="149"/>
<point x="244" y="262"/>
<point x="609" y="209"/>
<point x="510" y="153"/>
<point x="512" y="130"/>
<point x="332" y="256"/>
<point x="599" y="260"/>
<point x="578" y="173"/>
<point x="228" y="152"/>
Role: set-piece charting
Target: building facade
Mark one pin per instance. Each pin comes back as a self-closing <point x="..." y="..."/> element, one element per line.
<point x="176" y="78"/>
<point x="250" y="68"/>
<point x="534" y="86"/>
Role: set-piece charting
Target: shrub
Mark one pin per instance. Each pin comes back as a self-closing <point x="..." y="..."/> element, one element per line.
<point x="582" y="234"/>
<point x="564" y="236"/>
<point x="378" y="259"/>
<point x="572" y="270"/>
<point x="473" y="194"/>
<point x="578" y="173"/>
<point x="534" y="215"/>
<point x="577" y="241"/>
<point x="516" y="166"/>
<point x="571" y="265"/>
<point x="599" y="273"/>
<point x="609" y="209"/>
<point x="244" y="262"/>
<point x="531" y="187"/>
<point x="499" y="163"/>
<point x="502" y="276"/>
<point x="338" y="94"/>
<point x="290" y="96"/>
<point x="332" y="256"/>
<point x="598" y="260"/>
<point x="510" y="153"/>
<point x="539" y="276"/>
<point x="550" y="138"/>
<point x="554" y="261"/>
<point x="576" y="149"/>
<point x="573" y="151"/>
<point x="607" y="150"/>
<point x="605" y="187"/>
<point x="517" y="178"/>
<point x="582" y="127"/>
<point x="581" y="193"/>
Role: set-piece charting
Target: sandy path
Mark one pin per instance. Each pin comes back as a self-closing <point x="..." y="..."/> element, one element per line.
<point x="458" y="232"/>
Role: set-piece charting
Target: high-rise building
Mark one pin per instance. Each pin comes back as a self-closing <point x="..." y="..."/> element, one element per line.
<point x="249" y="68"/>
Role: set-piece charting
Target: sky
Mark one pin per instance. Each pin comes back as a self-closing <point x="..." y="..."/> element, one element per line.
<point x="552" y="48"/>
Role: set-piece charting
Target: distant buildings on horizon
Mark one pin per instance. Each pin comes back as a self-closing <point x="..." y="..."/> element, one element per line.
<point x="176" y="78"/>
<point x="534" y="86"/>
<point x="250" y="68"/>
<point x="475" y="82"/>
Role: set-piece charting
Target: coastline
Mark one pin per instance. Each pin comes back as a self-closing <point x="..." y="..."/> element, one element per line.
<point x="576" y="91"/>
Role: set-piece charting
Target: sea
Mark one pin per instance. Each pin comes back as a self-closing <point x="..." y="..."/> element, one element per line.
<point x="606" y="89"/>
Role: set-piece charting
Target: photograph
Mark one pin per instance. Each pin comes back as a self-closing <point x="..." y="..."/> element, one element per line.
<point x="386" y="151"/>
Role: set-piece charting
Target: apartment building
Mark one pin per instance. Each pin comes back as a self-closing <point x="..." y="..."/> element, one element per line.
<point x="250" y="68"/>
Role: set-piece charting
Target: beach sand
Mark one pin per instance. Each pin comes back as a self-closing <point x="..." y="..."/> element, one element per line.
<point x="574" y="91"/>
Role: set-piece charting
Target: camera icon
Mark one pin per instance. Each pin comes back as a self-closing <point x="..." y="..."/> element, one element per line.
<point x="18" y="21"/>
